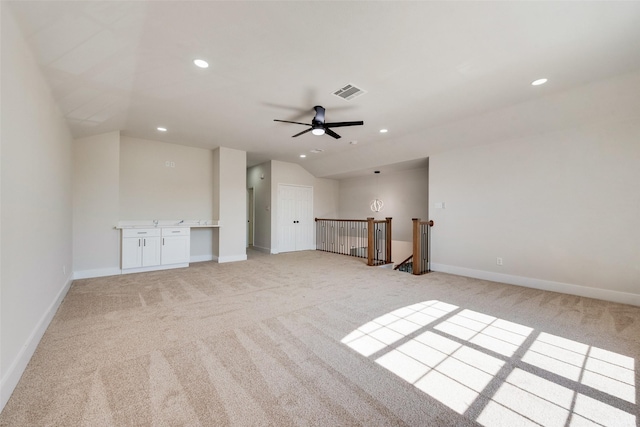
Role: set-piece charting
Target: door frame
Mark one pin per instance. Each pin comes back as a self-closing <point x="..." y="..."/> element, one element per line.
<point x="251" y="217"/>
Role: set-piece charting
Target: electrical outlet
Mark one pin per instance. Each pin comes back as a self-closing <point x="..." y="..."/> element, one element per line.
<point x="499" y="261"/>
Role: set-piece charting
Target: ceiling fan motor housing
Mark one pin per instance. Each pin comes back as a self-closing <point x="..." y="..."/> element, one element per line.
<point x="319" y="114"/>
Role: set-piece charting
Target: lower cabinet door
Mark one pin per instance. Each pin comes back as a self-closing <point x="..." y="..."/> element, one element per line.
<point x="175" y="250"/>
<point x="131" y="252"/>
<point x="150" y="251"/>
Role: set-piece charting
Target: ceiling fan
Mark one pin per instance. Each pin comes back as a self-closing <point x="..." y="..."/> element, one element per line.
<point x="319" y="127"/>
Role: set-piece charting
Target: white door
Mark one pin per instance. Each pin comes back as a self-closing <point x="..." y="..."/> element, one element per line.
<point x="295" y="218"/>
<point x="305" y="224"/>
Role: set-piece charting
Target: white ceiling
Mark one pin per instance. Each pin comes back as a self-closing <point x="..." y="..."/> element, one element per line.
<point x="437" y="74"/>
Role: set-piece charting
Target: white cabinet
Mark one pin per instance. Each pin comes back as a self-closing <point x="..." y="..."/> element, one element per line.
<point x="140" y="248"/>
<point x="176" y="245"/>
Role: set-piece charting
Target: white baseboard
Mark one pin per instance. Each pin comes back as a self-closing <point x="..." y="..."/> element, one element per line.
<point x="98" y="272"/>
<point x="232" y="258"/>
<point x="10" y="380"/>
<point x="203" y="258"/>
<point x="545" y="285"/>
<point x="154" y="268"/>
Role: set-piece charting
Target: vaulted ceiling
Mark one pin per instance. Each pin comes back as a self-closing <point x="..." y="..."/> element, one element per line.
<point x="437" y="75"/>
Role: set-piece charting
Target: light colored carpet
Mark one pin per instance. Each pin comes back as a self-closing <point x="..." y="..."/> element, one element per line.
<point x="311" y="338"/>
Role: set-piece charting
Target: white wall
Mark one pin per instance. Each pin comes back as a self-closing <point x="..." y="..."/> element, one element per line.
<point x="405" y="195"/>
<point x="561" y="210"/>
<point x="259" y="178"/>
<point x="325" y="193"/>
<point x="151" y="190"/>
<point x="35" y="212"/>
<point x="232" y="204"/>
<point x="96" y="170"/>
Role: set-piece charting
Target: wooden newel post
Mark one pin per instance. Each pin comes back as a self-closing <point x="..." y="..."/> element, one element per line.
<point x="416" y="246"/>
<point x="370" y="241"/>
<point x="388" y="241"/>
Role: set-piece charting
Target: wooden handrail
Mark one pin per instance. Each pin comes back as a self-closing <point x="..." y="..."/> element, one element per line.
<point x="341" y="220"/>
<point x="375" y="221"/>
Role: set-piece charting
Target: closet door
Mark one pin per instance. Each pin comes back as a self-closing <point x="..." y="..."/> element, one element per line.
<point x="304" y="215"/>
<point x="295" y="218"/>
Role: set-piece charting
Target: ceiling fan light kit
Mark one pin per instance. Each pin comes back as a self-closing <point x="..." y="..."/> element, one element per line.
<point x="318" y="125"/>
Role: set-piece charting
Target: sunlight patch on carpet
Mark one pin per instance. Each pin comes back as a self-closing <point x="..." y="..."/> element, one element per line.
<point x="497" y="372"/>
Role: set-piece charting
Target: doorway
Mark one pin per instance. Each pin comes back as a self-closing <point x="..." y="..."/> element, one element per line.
<point x="250" y="217"/>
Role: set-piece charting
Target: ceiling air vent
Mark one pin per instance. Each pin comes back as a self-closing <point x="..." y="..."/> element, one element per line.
<point x="349" y="92"/>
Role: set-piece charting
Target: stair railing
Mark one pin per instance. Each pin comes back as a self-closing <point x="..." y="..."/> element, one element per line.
<point x="421" y="246"/>
<point x="362" y="238"/>
<point x="406" y="265"/>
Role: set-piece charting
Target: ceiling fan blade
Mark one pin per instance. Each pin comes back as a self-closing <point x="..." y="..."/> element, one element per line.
<point x="332" y="133"/>
<point x="304" y="131"/>
<point x="342" y="124"/>
<point x="287" y="121"/>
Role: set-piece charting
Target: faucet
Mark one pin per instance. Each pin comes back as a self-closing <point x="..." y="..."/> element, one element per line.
<point x="155" y="222"/>
<point x="181" y="221"/>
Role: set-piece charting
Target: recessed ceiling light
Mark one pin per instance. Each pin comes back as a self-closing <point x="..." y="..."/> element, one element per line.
<point x="538" y="82"/>
<point x="161" y="129"/>
<point x="303" y="155"/>
<point x="384" y="130"/>
<point x="201" y="63"/>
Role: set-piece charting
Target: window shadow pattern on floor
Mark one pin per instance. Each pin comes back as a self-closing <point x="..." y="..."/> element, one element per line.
<point x="497" y="372"/>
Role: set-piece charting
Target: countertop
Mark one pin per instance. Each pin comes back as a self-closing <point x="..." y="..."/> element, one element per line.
<point x="167" y="224"/>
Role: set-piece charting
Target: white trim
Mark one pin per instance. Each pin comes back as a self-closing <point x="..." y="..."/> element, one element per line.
<point x="232" y="258"/>
<point x="10" y="380"/>
<point x="203" y="258"/>
<point x="98" y="272"/>
<point x="154" y="268"/>
<point x="545" y="285"/>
